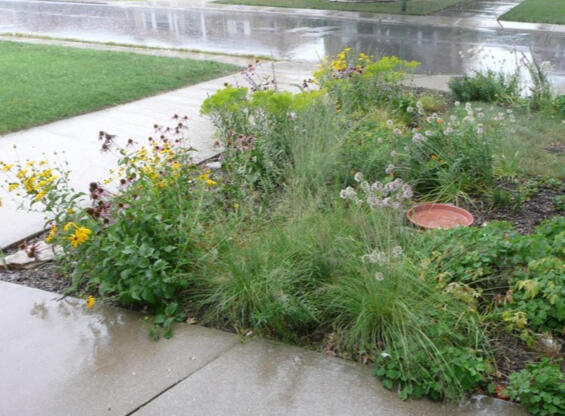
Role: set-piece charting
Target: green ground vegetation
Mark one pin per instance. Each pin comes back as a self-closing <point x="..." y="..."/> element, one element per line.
<point x="41" y="84"/>
<point x="418" y="7"/>
<point x="538" y="11"/>
<point x="302" y="234"/>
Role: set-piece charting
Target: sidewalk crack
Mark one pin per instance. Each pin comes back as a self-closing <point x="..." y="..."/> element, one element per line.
<point x="145" y="403"/>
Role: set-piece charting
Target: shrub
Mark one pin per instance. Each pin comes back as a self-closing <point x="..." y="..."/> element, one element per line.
<point x="260" y="130"/>
<point x="487" y="85"/>
<point x="446" y="159"/>
<point x="360" y="82"/>
<point x="136" y="241"/>
<point x="540" y="388"/>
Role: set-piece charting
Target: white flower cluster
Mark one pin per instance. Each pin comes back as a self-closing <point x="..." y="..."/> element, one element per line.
<point x="390" y="195"/>
<point x="381" y="258"/>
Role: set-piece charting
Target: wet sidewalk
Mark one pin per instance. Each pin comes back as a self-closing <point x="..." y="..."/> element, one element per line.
<point x="60" y="358"/>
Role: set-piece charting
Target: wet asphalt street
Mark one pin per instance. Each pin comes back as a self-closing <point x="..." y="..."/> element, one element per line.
<point x="285" y="35"/>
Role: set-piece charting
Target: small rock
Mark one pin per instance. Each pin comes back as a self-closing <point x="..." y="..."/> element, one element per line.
<point x="32" y="256"/>
<point x="550" y="344"/>
<point x="214" y="165"/>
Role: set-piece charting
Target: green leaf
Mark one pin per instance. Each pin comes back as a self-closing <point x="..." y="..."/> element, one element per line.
<point x="171" y="308"/>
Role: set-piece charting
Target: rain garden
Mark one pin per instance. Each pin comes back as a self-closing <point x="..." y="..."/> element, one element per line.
<point x="298" y="230"/>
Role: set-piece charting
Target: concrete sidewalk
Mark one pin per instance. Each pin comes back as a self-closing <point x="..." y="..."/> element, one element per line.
<point x="59" y="358"/>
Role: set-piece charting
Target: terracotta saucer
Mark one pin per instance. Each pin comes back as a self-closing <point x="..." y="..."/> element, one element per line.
<point x="439" y="216"/>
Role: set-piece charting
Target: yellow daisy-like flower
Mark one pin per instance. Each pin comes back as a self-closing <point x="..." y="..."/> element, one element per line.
<point x="7" y="167"/>
<point x="80" y="235"/>
<point x="13" y="186"/>
<point x="68" y="226"/>
<point x="204" y="177"/>
<point x="211" y="182"/>
<point x="51" y="234"/>
<point x="90" y="301"/>
<point x="39" y="196"/>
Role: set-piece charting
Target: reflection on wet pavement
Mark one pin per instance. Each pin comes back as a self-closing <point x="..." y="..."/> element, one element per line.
<point x="59" y="358"/>
<point x="276" y="34"/>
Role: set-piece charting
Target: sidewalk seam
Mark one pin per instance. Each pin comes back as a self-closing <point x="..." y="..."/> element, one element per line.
<point x="204" y="365"/>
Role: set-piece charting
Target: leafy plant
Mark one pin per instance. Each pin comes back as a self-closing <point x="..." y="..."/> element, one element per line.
<point x="540" y="388"/>
<point x="420" y="375"/>
<point x="559" y="104"/>
<point x="358" y="82"/>
<point x="487" y="85"/>
<point x="525" y="272"/>
<point x="559" y="202"/>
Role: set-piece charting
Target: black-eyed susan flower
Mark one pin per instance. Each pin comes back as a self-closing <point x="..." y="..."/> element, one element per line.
<point x="90" y="301"/>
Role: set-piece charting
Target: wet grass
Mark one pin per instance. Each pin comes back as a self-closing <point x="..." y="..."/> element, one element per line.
<point x="538" y="11"/>
<point x="41" y="84"/>
<point x="536" y="144"/>
<point x="418" y="7"/>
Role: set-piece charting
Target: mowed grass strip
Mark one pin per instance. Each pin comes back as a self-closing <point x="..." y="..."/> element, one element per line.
<point x="40" y="84"/>
<point x="418" y="7"/>
<point x="538" y="11"/>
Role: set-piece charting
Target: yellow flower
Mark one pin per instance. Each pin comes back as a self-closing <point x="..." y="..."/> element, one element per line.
<point x="21" y="173"/>
<point x="236" y="205"/>
<point x="69" y="225"/>
<point x="211" y="182"/>
<point x="13" y="186"/>
<point x="7" y="167"/>
<point x="51" y="234"/>
<point x="90" y="301"/>
<point x="176" y="165"/>
<point x="204" y="177"/>
<point x="39" y="196"/>
<point x="29" y="184"/>
<point x="80" y="236"/>
<point x="162" y="183"/>
<point x="43" y="162"/>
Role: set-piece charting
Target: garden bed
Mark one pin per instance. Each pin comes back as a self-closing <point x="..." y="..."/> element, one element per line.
<point x="302" y="235"/>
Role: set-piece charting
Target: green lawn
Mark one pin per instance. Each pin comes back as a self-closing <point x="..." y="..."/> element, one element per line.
<point x="40" y="84"/>
<point x="413" y="6"/>
<point x="538" y="11"/>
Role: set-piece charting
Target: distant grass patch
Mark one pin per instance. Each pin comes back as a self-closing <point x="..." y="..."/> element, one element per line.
<point x="538" y="11"/>
<point x="413" y="6"/>
<point x="536" y="142"/>
<point x="41" y="84"/>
